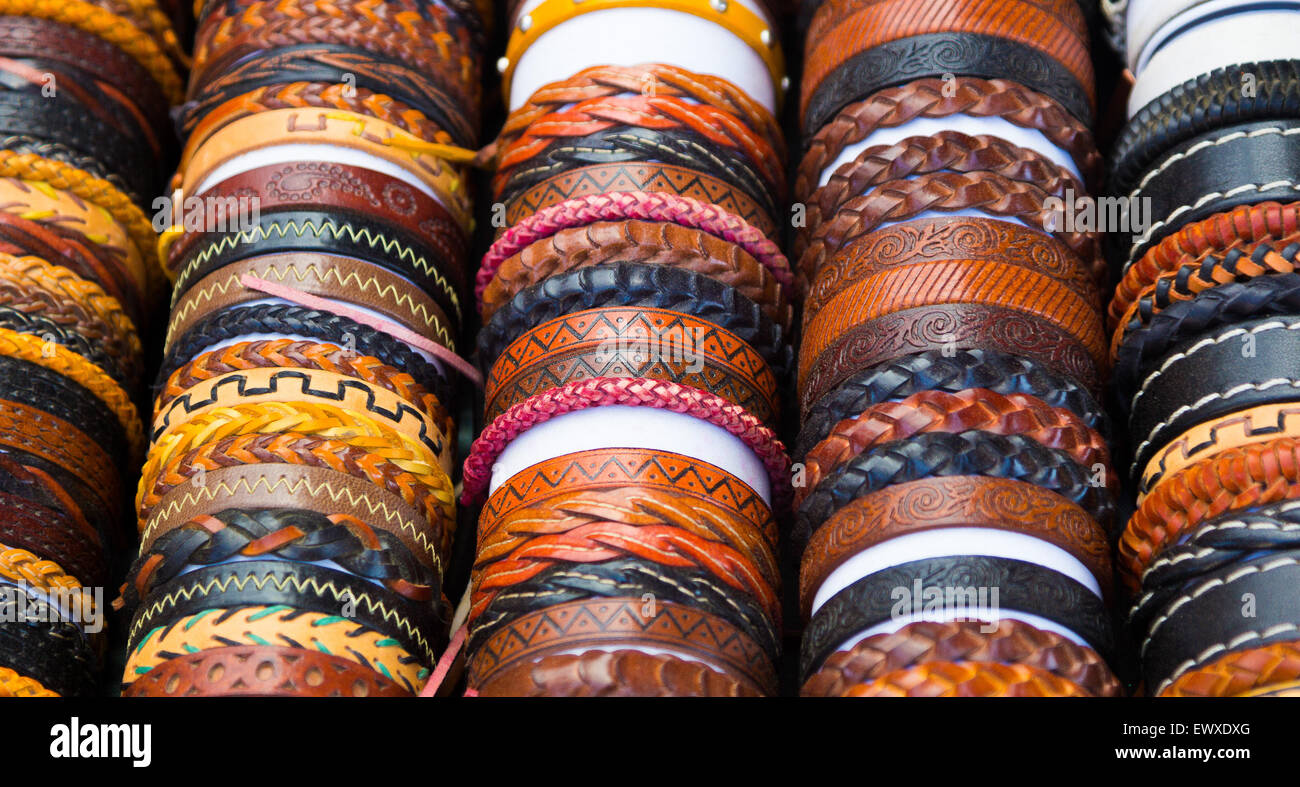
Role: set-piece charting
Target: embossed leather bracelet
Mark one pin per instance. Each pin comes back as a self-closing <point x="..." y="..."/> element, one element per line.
<point x="262" y="671"/>
<point x="50" y="532"/>
<point x="619" y="673"/>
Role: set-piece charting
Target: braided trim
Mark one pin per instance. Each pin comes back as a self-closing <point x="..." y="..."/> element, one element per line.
<point x="967" y="679"/>
<point x="628" y="391"/>
<point x="1238" y="673"/>
<point x="14" y="685"/>
<point x="36" y="431"/>
<point x="619" y="673"/>
<point x="623" y="205"/>
<point x="20" y="565"/>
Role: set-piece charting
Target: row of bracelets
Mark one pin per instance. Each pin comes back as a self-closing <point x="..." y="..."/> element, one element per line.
<point x="635" y="348"/>
<point x="954" y="507"/>
<point x="296" y="506"/>
<point x="84" y="132"/>
<point x="1202" y="323"/>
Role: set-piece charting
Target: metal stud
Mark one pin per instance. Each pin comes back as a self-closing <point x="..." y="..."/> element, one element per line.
<point x="719" y="5"/>
<point x="765" y="37"/>
<point x="525" y="22"/>
<point x="502" y="64"/>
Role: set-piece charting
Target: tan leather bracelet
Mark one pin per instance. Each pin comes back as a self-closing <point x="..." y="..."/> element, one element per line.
<point x="322" y="489"/>
<point x="967" y="679"/>
<point x="632" y="342"/>
<point x="620" y="622"/>
<point x="617" y="673"/>
<point x="965" y="281"/>
<point x="31" y="199"/>
<point x="941" y="238"/>
<point x="1266" y="670"/>
<point x="952" y="501"/>
<point x="37" y="432"/>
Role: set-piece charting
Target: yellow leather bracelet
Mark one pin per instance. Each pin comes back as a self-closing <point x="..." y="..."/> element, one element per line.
<point x="36" y="200"/>
<point x="14" y="685"/>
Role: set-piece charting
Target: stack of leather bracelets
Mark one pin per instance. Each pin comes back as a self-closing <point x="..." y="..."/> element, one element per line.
<point x="954" y="514"/>
<point x="296" y="505"/>
<point x="636" y="313"/>
<point x="1205" y="319"/>
<point x="85" y="89"/>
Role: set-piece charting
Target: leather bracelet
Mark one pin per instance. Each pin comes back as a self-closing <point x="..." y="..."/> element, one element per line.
<point x="630" y="284"/>
<point x="1023" y="587"/>
<point x="325" y="233"/>
<point x="27" y="198"/>
<point x="1230" y="370"/>
<point x="287" y="451"/>
<point x="53" y="654"/>
<point x="620" y="673"/>
<point x="632" y="145"/>
<point x="944" y="191"/>
<point x="942" y="502"/>
<point x="947" y="52"/>
<point x="608" y="622"/>
<point x="275" y="627"/>
<point x="33" y="385"/>
<point x="634" y="205"/>
<point x="936" y="370"/>
<point x="220" y="327"/>
<point x="330" y="276"/>
<point x="626" y="579"/>
<point x="940" y="411"/>
<point x="13" y="319"/>
<point x="14" y="685"/>
<point x="1241" y="227"/>
<point x="936" y="98"/>
<point x="98" y="511"/>
<point x="213" y="15"/>
<point x="23" y="476"/>
<point x="46" y="531"/>
<point x="628" y="391"/>
<point x="258" y="386"/>
<point x="298" y="536"/>
<point x="645" y="343"/>
<point x="946" y="151"/>
<point x="643" y="243"/>
<point x="1010" y="642"/>
<point x="946" y="679"/>
<point x="940" y="454"/>
<point x="473" y="15"/>
<point x="949" y="328"/>
<point x="665" y="79"/>
<point x="1216" y="172"/>
<point x="598" y="471"/>
<point x="35" y="431"/>
<point x="1243" y="672"/>
<point x="20" y="566"/>
<point x="328" y="64"/>
<point x="417" y="626"/>
<point x="958" y="281"/>
<point x="301" y="487"/>
<point x="262" y="671"/>
<point x="651" y="177"/>
<point x="345" y="189"/>
<point x="53" y="151"/>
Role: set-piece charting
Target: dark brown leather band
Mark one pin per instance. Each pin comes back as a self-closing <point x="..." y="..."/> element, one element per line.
<point x="619" y="673"/>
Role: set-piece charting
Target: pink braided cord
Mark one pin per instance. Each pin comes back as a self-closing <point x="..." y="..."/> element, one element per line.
<point x="623" y="205"/>
<point x="633" y="392"/>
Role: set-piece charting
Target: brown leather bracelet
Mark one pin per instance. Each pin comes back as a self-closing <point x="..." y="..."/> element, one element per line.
<point x="89" y="221"/>
<point x="632" y="342"/>
<point x="948" y="328"/>
<point x="947" y="238"/>
<point x="304" y="185"/>
<point x="925" y="642"/>
<point x="937" y="98"/>
<point x="940" y="411"/>
<point x="899" y="200"/>
<point x="952" y="501"/>
<point x="262" y="671"/>
<point x="1241" y="672"/>
<point x="648" y="242"/>
<point x="842" y="29"/>
<point x="946" y="151"/>
<point x="958" y="281"/>
<point x="619" y="673"/>
<point x="967" y="679"/>
<point x="324" y="489"/>
<point x="625" y="622"/>
<point x="329" y="276"/>
<point x="37" y="432"/>
<point x="638" y="176"/>
<point x="602" y="469"/>
<point x="52" y="533"/>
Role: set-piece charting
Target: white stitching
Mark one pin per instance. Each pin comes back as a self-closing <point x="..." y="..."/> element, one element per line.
<point x="1223" y="647"/>
<point x="1207" y="144"/>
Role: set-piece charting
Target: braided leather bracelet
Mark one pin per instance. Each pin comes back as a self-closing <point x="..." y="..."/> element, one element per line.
<point x="619" y="673"/>
<point x="56" y="655"/>
<point x="1240" y="672"/>
<point x="36" y="431"/>
<point x="967" y="679"/>
<point x="940" y="411"/>
<point x="626" y="391"/>
<point x="640" y="242"/>
<point x="262" y="671"/>
<point x="49" y="331"/>
<point x="14" y="685"/>
<point x="86" y="220"/>
<point x="276" y="626"/>
<point x="645" y="343"/>
<point x="1009" y="642"/>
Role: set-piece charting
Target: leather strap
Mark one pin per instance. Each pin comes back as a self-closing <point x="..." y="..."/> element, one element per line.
<point x="53" y="654"/>
<point x="947" y="679"/>
<point x="262" y="671"/>
<point x="35" y="198"/>
<point x="620" y="673"/>
<point x="32" y="430"/>
<point x="1241" y="427"/>
<point x="31" y="385"/>
<point x="1271" y="670"/>
<point x="49" y="532"/>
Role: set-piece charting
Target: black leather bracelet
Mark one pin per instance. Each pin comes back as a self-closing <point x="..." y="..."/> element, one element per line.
<point x="626" y="578"/>
<point x="419" y="627"/>
<point x="632" y="284"/>
<point x="936" y="370"/>
<point x="934" y="454"/>
<point x="55" y="654"/>
<point x="936" y="54"/>
<point x="37" y="325"/>
<point x="370" y="239"/>
<point x="288" y="320"/>
<point x="35" y="386"/>
<point x="1238" y="367"/>
<point x="1214" y="173"/>
<point x="1211" y="101"/>
<point x="677" y="147"/>
<point x="1020" y="587"/>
